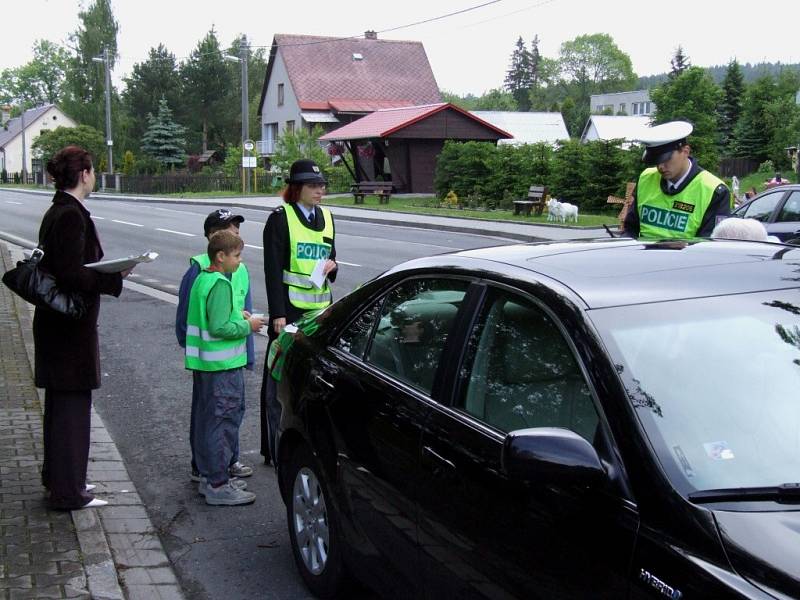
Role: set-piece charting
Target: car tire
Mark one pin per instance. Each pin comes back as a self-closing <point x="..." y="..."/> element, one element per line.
<point x="314" y="528"/>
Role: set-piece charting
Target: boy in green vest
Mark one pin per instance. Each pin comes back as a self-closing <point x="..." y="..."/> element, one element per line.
<point x="216" y="350"/>
<point x="220" y="219"/>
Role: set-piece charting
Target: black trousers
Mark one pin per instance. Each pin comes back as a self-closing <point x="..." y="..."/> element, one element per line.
<point x="67" y="423"/>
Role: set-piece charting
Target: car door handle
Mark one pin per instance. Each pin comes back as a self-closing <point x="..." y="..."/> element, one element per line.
<point x="327" y="384"/>
<point x="438" y="464"/>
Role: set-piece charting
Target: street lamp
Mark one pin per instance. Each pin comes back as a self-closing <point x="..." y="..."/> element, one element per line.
<point x="109" y="142"/>
<point x="242" y="59"/>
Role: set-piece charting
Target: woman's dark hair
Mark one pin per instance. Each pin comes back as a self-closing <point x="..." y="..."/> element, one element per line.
<point x="291" y="193"/>
<point x="67" y="165"/>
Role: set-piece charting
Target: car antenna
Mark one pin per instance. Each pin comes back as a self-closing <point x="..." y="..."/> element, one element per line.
<point x="611" y="233"/>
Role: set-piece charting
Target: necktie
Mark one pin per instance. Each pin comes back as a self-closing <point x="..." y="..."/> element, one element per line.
<point x="311" y="218"/>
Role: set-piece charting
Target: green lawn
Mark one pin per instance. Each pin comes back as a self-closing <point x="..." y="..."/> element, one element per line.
<point x="430" y="205"/>
<point x="757" y="180"/>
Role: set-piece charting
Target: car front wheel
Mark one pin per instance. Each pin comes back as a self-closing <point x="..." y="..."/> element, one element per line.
<point x="313" y="528"/>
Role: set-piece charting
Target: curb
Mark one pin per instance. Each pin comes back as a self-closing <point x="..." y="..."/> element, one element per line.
<point x="102" y="569"/>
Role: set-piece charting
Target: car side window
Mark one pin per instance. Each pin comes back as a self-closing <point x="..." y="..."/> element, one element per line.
<point x="761" y="208"/>
<point x="791" y="209"/>
<point x="521" y="373"/>
<point x="355" y="338"/>
<point x="415" y="322"/>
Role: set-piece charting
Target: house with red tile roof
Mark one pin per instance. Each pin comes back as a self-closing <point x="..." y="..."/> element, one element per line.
<point x="333" y="81"/>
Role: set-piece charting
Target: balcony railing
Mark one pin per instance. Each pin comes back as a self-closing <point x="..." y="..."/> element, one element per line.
<point x="265" y="147"/>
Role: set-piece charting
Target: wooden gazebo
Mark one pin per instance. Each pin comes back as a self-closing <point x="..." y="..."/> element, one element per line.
<point x="401" y="145"/>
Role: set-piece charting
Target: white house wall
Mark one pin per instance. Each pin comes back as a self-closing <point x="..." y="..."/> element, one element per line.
<point x="271" y="112"/>
<point x="47" y="121"/>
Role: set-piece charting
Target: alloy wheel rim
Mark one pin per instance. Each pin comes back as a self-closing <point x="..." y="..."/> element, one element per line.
<point x="310" y="521"/>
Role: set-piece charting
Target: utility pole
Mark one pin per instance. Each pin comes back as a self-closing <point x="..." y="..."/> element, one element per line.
<point x="242" y="58"/>
<point x="109" y="141"/>
<point x="24" y="150"/>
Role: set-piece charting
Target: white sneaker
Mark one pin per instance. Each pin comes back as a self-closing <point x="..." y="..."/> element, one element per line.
<point x="227" y="495"/>
<point x="95" y="503"/>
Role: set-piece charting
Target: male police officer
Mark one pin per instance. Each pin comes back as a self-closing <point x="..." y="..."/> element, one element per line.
<point x="675" y="197"/>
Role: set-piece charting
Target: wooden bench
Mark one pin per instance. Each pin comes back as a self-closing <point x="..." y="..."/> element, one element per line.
<point x="535" y="200"/>
<point x="626" y="202"/>
<point x="382" y="189"/>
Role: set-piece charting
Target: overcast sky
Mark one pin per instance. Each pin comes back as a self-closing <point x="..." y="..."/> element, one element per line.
<point x="469" y="52"/>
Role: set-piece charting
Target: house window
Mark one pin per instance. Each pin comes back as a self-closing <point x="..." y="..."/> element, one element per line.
<point x="622" y="109"/>
<point x="280" y="94"/>
<point x="289" y="126"/>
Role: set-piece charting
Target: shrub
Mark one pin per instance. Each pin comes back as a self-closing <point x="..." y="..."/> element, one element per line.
<point x="766" y="167"/>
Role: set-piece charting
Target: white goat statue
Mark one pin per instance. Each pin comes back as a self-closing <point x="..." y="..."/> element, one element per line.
<point x="569" y="212"/>
<point x="561" y="211"/>
<point x="553" y="212"/>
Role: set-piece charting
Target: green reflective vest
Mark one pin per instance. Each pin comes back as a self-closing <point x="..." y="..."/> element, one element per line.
<point x="205" y="352"/>
<point x="677" y="216"/>
<point x="240" y="280"/>
<point x="307" y="248"/>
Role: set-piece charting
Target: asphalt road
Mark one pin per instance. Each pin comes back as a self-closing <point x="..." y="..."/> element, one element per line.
<point x="218" y="552"/>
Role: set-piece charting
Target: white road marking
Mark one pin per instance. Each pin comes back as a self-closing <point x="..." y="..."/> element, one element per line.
<point x="11" y="202"/>
<point x="127" y="223"/>
<point x="341" y="262"/>
<point x="96" y="218"/>
<point x="175" y="232"/>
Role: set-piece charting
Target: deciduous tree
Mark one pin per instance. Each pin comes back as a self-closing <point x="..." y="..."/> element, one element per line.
<point x="692" y="96"/>
<point x="595" y="64"/>
<point x="51" y="141"/>
<point x="39" y="81"/>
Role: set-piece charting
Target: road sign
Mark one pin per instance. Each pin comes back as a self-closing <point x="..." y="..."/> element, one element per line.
<point x="249" y="162"/>
<point x="249" y="145"/>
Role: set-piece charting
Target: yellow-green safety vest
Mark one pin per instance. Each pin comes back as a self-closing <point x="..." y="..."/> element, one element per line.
<point x="240" y="280"/>
<point x="204" y="352"/>
<point x="677" y="216"/>
<point x="307" y="248"/>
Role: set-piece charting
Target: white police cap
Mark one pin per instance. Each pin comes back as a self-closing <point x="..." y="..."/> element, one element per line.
<point x="660" y="141"/>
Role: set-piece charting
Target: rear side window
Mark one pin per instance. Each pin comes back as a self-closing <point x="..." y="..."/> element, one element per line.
<point x="791" y="209"/>
<point x="520" y="371"/>
<point x="761" y="208"/>
<point x="415" y="322"/>
<point x="355" y="338"/>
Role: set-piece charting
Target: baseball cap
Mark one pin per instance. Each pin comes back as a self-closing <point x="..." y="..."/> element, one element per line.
<point x="220" y="219"/>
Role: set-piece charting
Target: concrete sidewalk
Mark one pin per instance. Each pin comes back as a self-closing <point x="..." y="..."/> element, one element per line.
<point x="111" y="552"/>
<point x="513" y="230"/>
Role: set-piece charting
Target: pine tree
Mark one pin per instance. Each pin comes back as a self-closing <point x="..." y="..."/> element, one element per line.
<point x="518" y="76"/>
<point x="680" y="62"/>
<point x="164" y="139"/>
<point x="731" y="108"/>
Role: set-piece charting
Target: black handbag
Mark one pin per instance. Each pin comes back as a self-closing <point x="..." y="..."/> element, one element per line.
<point x="40" y="288"/>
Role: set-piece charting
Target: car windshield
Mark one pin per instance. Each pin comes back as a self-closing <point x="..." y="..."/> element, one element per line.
<point x="716" y="385"/>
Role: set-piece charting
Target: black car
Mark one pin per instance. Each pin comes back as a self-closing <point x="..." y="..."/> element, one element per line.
<point x="778" y="208"/>
<point x="606" y="419"/>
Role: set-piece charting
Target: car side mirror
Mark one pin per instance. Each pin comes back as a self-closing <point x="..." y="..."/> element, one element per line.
<point x="551" y="455"/>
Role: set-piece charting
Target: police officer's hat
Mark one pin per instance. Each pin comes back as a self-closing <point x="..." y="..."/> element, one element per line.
<point x="660" y="141"/>
<point x="305" y="171"/>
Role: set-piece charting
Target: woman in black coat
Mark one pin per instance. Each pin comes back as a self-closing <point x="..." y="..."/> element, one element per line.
<point x="67" y="363"/>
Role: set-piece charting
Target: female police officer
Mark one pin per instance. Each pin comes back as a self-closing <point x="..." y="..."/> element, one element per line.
<point x="298" y="236"/>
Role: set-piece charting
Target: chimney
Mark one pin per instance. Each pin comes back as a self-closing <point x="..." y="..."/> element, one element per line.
<point x="370" y="35"/>
<point x="5" y="114"/>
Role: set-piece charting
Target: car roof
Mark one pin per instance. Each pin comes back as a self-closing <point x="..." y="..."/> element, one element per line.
<point x="623" y="271"/>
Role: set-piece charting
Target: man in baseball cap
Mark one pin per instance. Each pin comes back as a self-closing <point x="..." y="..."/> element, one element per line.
<point x="674" y="197"/>
<point x="220" y="219"/>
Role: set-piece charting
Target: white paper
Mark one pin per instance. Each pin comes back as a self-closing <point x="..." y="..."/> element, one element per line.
<point x="120" y="264"/>
<point x="317" y="276"/>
